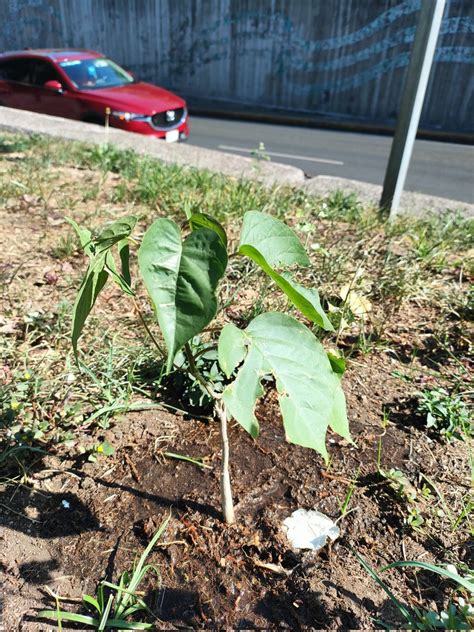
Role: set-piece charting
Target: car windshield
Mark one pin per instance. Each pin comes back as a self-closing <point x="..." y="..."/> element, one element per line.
<point x="92" y="74"/>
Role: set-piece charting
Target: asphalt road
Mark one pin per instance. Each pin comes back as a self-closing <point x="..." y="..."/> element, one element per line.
<point x="442" y="169"/>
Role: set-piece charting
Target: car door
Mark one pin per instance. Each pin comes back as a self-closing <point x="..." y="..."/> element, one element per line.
<point x="48" y="101"/>
<point x="15" y="88"/>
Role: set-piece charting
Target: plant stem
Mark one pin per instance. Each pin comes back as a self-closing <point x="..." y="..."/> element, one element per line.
<point x="147" y="329"/>
<point x="196" y="373"/>
<point x="219" y="408"/>
<point x="226" y="490"/>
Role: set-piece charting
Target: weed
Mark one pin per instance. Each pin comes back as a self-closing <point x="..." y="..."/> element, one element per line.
<point x="65" y="247"/>
<point x="446" y="414"/>
<point x="340" y="204"/>
<point x="114" y="603"/>
<point x="413" y="500"/>
<point x="109" y="158"/>
<point x="18" y="143"/>
<point x="260" y="153"/>
<point x="343" y="507"/>
<point x="458" y="616"/>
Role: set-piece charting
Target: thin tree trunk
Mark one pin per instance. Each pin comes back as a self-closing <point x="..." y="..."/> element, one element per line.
<point x="226" y="490"/>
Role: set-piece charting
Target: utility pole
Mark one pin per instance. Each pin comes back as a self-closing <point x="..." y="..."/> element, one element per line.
<point x="424" y="45"/>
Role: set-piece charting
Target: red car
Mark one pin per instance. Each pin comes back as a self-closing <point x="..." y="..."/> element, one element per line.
<point x="86" y="86"/>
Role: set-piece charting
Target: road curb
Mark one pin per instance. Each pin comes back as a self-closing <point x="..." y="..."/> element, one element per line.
<point x="416" y="204"/>
<point x="266" y="172"/>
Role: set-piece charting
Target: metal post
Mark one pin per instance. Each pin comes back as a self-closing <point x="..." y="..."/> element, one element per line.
<point x="424" y="45"/>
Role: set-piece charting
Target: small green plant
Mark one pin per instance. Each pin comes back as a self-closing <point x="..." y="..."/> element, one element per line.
<point x="65" y="247"/>
<point x="113" y="609"/>
<point x="103" y="448"/>
<point x="412" y="498"/>
<point x="445" y="413"/>
<point x="458" y="616"/>
<point x="182" y="277"/>
<point x="260" y="153"/>
<point x="344" y="506"/>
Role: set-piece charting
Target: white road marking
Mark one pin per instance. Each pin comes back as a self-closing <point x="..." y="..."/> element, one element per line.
<point x="280" y="155"/>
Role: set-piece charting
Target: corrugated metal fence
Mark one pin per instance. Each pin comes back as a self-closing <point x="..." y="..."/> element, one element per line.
<point x="340" y="59"/>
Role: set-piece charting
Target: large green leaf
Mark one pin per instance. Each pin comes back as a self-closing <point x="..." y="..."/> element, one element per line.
<point x="306" y="300"/>
<point x="309" y="392"/>
<point x="275" y="241"/>
<point x="181" y="279"/>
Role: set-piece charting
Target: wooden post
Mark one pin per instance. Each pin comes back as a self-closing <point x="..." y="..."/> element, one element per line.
<point x="424" y="45"/>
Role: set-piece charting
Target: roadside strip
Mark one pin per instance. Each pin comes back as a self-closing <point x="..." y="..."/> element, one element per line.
<point x="266" y="172"/>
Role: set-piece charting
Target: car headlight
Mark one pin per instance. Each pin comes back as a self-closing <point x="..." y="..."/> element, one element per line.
<point x="129" y="116"/>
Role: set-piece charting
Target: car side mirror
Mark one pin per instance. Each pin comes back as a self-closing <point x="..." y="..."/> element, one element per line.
<point x="53" y="85"/>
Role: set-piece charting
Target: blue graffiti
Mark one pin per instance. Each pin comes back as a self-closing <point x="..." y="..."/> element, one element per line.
<point x="406" y="36"/>
<point x="459" y="54"/>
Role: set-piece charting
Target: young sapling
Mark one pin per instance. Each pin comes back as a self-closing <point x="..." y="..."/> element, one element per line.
<point x="182" y="275"/>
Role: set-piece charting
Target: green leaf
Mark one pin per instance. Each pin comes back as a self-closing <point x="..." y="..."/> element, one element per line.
<point x="307" y="301"/>
<point x="201" y="220"/>
<point x="181" y="279"/>
<point x="124" y="254"/>
<point x="387" y="590"/>
<point x="314" y="311"/>
<point x="232" y="349"/>
<point x="68" y="616"/>
<point x="106" y="448"/>
<point x="115" y="232"/>
<point x="337" y="362"/>
<point x="309" y="392"/>
<point x="91" y="285"/>
<point x="101" y="264"/>
<point x="125" y="625"/>
<point x="122" y="279"/>
<point x="274" y="240"/>
<point x="468" y="584"/>
<point x="85" y="237"/>
<point x="92" y="601"/>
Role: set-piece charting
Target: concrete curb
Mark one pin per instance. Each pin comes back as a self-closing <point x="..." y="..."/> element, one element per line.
<point x="173" y="153"/>
<point x="267" y="173"/>
<point x="417" y="204"/>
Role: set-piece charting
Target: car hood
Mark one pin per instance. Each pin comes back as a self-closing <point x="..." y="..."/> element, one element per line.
<point x="140" y="98"/>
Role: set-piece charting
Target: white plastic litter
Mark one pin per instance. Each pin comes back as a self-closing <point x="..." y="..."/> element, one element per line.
<point x="310" y="529"/>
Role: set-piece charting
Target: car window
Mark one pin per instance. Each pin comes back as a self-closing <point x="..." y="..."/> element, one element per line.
<point x="90" y="74"/>
<point x="15" y="70"/>
<point x="41" y="72"/>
